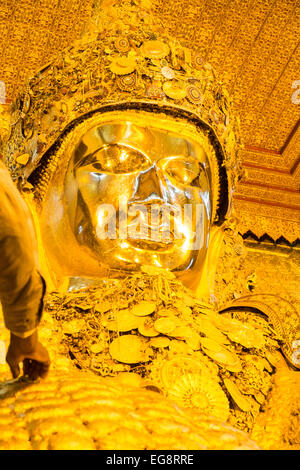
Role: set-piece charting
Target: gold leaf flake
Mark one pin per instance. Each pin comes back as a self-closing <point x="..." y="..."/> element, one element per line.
<point x="165" y="325"/>
<point x="155" y="49"/>
<point x="224" y="323"/>
<point x="72" y="327"/>
<point x="205" y="326"/>
<point x="160" y="342"/>
<point x="247" y="336"/>
<point x="167" y="312"/>
<point x="122" y="65"/>
<point x="194" y="341"/>
<point x="167" y="72"/>
<point x="23" y="159"/>
<point x="242" y="402"/>
<point x="143" y="308"/>
<point x="146" y="328"/>
<point x="188" y="300"/>
<point x="64" y="108"/>
<point x="183" y="308"/>
<point x="182" y="331"/>
<point x="129" y="349"/>
<point x="103" y="307"/>
<point x="130" y="379"/>
<point x="124" y="320"/>
<point x="96" y="348"/>
<point x="273" y="358"/>
<point x="221" y="355"/>
<point x="156" y="271"/>
<point x="26" y="103"/>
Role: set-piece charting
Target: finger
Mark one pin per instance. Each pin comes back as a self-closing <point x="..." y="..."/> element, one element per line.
<point x="14" y="368"/>
<point x="35" y="369"/>
<point x="27" y="367"/>
<point x="31" y="369"/>
<point x="40" y="354"/>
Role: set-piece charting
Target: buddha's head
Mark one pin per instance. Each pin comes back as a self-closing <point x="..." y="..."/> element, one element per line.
<point x="128" y="146"/>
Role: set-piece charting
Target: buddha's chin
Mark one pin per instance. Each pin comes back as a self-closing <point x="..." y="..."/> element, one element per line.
<point x="130" y="256"/>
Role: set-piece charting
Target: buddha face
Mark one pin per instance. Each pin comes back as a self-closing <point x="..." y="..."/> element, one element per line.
<point x="134" y="189"/>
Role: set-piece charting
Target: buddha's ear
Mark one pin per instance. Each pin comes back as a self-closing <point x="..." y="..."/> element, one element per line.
<point x="201" y="277"/>
<point x="205" y="280"/>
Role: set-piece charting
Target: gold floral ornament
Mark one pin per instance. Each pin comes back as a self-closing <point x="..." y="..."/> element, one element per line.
<point x="127" y="82"/>
<point x="122" y="65"/>
<point x="155" y="91"/>
<point x="197" y="61"/>
<point x="193" y="94"/>
<point x="196" y="391"/>
<point x="182" y="365"/>
<point x="122" y="45"/>
<point x="175" y="90"/>
<point x="129" y="349"/>
<point x="155" y="49"/>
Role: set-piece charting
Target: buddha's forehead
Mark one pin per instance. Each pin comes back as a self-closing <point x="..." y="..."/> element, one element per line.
<point x="154" y="135"/>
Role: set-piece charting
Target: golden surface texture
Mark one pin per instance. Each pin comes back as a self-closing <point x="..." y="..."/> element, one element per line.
<point x="32" y="32"/>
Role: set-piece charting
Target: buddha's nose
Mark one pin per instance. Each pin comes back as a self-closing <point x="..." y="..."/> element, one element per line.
<point x="147" y="188"/>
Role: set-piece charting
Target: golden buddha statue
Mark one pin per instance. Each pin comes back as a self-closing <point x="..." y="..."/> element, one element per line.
<point x="126" y="149"/>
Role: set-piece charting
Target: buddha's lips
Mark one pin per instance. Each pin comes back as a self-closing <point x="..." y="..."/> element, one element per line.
<point x="149" y="245"/>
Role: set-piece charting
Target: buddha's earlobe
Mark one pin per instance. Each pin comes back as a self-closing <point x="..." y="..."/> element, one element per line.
<point x="206" y="279"/>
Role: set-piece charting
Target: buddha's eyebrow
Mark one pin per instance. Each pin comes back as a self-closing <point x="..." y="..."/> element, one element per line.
<point x="80" y="160"/>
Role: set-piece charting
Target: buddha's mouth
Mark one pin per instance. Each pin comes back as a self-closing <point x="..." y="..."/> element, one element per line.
<point x="150" y="245"/>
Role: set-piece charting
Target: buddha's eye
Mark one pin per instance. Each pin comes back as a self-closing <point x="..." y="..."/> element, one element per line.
<point x="184" y="170"/>
<point x="117" y="158"/>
